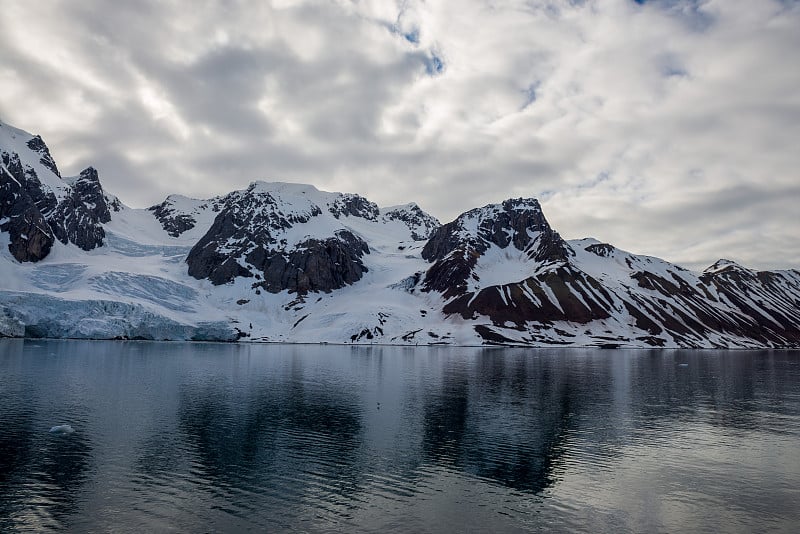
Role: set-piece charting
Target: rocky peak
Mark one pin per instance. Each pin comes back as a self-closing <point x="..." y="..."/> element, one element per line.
<point x="41" y="206"/>
<point x="179" y="214"/>
<point x="723" y="265"/>
<point x="78" y="216"/>
<point x="87" y="191"/>
<point x="419" y="222"/>
<point x="270" y="210"/>
<point x="456" y="246"/>
<point x="349" y="204"/>
<point x="264" y="232"/>
<point x="38" y="145"/>
<point x="89" y="174"/>
<point x="73" y="209"/>
<point x="727" y="275"/>
<point x="518" y="222"/>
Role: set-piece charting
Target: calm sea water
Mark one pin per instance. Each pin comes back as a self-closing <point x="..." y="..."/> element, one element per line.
<point x="214" y="437"/>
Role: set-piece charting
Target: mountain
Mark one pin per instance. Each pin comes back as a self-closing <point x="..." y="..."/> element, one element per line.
<point x="505" y="263"/>
<point x="289" y="263"/>
<point x="38" y="206"/>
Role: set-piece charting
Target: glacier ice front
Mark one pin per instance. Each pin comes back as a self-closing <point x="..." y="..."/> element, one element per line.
<point x="46" y="316"/>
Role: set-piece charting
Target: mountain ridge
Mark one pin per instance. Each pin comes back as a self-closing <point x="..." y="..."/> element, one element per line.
<point x="283" y="262"/>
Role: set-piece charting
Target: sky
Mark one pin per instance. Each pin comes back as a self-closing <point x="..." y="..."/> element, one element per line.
<point x="665" y="127"/>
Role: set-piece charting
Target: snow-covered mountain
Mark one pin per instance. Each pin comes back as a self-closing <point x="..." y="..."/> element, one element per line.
<point x="38" y="206"/>
<point x="505" y="263"/>
<point x="287" y="262"/>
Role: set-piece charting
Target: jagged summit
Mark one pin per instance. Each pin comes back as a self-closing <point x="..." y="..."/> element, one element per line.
<point x="252" y="237"/>
<point x="516" y="222"/>
<point x="475" y="246"/>
<point x="418" y="221"/>
<point x="178" y="213"/>
<point x="723" y="265"/>
<point x="293" y="237"/>
<point x="38" y="207"/>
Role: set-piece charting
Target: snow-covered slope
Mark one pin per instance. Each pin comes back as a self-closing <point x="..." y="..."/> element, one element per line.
<point x="287" y="262"/>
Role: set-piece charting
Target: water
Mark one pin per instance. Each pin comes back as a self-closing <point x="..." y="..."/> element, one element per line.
<point x="214" y="437"/>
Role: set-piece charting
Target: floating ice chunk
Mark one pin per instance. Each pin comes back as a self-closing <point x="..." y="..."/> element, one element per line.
<point x="62" y="430"/>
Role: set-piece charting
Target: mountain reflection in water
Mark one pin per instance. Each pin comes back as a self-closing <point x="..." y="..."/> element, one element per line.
<point x="215" y="437"/>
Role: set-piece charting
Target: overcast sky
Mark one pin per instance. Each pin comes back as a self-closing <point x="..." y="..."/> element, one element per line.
<point x="665" y="127"/>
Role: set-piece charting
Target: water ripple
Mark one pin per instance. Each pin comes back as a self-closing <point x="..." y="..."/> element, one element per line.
<point x="181" y="437"/>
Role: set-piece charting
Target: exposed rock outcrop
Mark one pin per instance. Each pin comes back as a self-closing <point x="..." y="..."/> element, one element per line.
<point x="456" y="246"/>
<point x="41" y="208"/>
<point x="38" y="145"/>
<point x="77" y="218"/>
<point x="30" y="236"/>
<point x="314" y="265"/>
<point x="355" y="205"/>
<point x="179" y="214"/>
<point x="250" y="237"/>
<point x="421" y="224"/>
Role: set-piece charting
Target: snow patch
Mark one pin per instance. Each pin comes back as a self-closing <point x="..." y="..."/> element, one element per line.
<point x="500" y="266"/>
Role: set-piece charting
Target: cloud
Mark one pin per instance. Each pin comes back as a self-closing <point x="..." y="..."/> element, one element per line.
<point x="667" y="127"/>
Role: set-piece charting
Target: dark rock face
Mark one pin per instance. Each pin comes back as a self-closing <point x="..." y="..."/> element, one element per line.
<point x="44" y="199"/>
<point x="519" y="224"/>
<point x="601" y="249"/>
<point x="315" y="265"/>
<point x="30" y="236"/>
<point x="174" y="224"/>
<point x="75" y="216"/>
<point x="88" y="191"/>
<point x="456" y="246"/>
<point x="356" y="206"/>
<point x="578" y="299"/>
<point x="175" y="221"/>
<point x="77" y="219"/>
<point x="206" y="260"/>
<point x="420" y="223"/>
<point x="37" y="145"/>
<point x="247" y="240"/>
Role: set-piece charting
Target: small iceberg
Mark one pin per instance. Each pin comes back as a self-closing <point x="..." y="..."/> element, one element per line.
<point x="62" y="430"/>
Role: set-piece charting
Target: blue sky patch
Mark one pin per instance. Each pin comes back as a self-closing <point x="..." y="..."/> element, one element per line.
<point x="434" y="65"/>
